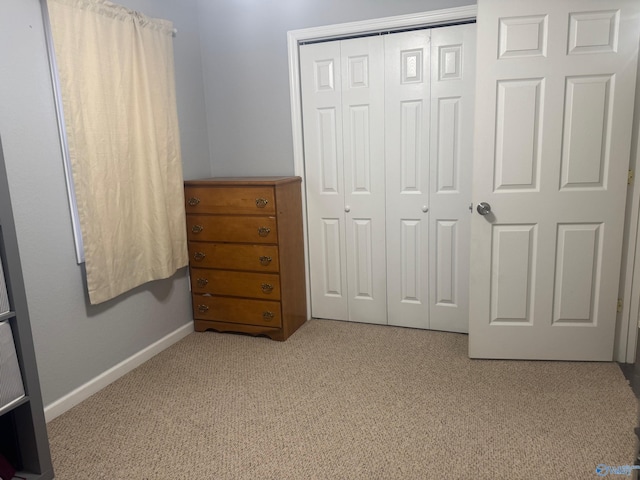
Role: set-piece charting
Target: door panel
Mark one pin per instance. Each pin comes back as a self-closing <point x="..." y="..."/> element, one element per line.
<point x="363" y="144"/>
<point x="407" y="81"/>
<point x="447" y="248"/>
<point x="410" y="158"/>
<point x="327" y="126"/>
<point x="518" y="126"/>
<point x="512" y="275"/>
<point x="587" y="117"/>
<point x="331" y="258"/>
<point x="577" y="270"/>
<point x="410" y="249"/>
<point x="448" y="150"/>
<point x="552" y="142"/>
<point x="451" y="149"/>
<point x="320" y="70"/>
<point x="362" y="250"/>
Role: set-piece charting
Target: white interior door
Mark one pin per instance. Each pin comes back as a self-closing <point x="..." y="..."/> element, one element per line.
<point x="320" y="72"/>
<point x="453" y="52"/>
<point x="552" y="137"/>
<point x="407" y="80"/>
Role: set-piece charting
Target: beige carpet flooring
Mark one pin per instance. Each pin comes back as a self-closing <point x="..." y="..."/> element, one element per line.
<point x="347" y="401"/>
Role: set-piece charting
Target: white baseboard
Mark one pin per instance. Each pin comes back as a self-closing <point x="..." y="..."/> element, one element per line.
<point x="96" y="384"/>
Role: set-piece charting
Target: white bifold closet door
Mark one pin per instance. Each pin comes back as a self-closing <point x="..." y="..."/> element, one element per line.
<point x="343" y="115"/>
<point x="388" y="138"/>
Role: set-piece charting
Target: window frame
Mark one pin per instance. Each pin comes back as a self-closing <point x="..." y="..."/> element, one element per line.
<point x="62" y="134"/>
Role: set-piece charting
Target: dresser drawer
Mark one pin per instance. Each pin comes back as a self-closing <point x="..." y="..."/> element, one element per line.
<point x="243" y="200"/>
<point x="232" y="228"/>
<point x="229" y="256"/>
<point x="237" y="310"/>
<point x="236" y="284"/>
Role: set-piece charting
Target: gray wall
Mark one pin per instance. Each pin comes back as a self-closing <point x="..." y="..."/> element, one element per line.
<point x="244" y="52"/>
<point x="74" y="341"/>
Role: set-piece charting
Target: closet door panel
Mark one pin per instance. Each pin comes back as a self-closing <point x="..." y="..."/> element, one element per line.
<point x="364" y="177"/>
<point x="407" y="123"/>
<point x="452" y="100"/>
<point x="320" y="71"/>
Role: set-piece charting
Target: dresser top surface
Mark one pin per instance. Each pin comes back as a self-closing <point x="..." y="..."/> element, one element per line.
<point x="240" y="181"/>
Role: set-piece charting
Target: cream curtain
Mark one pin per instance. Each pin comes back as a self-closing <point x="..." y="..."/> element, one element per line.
<point x="118" y="93"/>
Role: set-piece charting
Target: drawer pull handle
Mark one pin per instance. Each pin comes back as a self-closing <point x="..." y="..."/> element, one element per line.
<point x="193" y="201"/>
<point x="261" y="202"/>
<point x="202" y="282"/>
<point x="199" y="256"/>
<point x="267" y="316"/>
<point x="264" y="231"/>
<point x="266" y="287"/>
<point x="264" y="260"/>
<point x="197" y="228"/>
<point x="203" y="308"/>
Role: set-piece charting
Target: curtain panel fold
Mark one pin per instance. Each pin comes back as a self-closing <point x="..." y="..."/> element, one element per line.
<point x="118" y="93"/>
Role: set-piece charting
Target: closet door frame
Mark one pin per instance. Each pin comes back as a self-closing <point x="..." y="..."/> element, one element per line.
<point x="433" y="18"/>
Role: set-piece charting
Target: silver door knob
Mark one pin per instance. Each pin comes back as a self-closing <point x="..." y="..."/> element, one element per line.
<point x="425" y="209"/>
<point x="483" y="208"/>
<point x="347" y="208"/>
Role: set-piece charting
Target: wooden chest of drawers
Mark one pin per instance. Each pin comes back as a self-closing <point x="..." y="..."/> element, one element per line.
<point x="246" y="255"/>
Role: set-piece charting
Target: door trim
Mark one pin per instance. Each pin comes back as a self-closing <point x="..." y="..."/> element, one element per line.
<point x="377" y="25"/>
<point x="628" y="321"/>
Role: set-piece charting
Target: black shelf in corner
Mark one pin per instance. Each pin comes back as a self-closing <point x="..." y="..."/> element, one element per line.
<point x="23" y="432"/>
<point x="7" y="316"/>
<point x="14" y="405"/>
